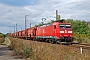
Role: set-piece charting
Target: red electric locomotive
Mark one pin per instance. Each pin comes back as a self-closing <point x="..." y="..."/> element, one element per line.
<point x="56" y="32"/>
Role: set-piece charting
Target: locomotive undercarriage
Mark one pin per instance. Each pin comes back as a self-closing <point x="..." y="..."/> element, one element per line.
<point x="66" y="39"/>
<point x="55" y="41"/>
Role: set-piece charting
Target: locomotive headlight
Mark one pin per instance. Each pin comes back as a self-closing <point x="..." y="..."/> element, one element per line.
<point x="69" y="31"/>
<point x="61" y="31"/>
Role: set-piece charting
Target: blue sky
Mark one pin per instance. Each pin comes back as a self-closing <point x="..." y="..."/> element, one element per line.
<point x="18" y="2"/>
<point x="14" y="11"/>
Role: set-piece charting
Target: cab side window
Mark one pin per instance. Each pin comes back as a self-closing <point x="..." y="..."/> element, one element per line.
<point x="54" y="26"/>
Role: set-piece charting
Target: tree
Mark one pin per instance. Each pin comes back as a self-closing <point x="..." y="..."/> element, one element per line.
<point x="79" y="26"/>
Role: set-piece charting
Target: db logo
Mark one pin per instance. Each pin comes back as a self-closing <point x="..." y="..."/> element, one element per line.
<point x="65" y="31"/>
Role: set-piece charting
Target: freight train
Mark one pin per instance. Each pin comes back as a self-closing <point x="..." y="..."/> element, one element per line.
<point x="58" y="31"/>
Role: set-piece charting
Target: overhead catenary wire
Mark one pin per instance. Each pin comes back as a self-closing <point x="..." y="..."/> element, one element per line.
<point x="50" y="8"/>
<point x="78" y="15"/>
<point x="47" y="9"/>
<point x="75" y="6"/>
<point x="61" y="5"/>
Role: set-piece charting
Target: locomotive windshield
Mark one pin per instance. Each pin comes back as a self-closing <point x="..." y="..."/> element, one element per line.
<point x="65" y="26"/>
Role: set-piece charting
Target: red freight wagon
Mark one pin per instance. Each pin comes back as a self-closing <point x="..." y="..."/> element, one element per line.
<point x="23" y="33"/>
<point x="17" y="34"/>
<point x="56" y="32"/>
<point x="13" y="35"/>
<point x="31" y="32"/>
<point x="20" y="33"/>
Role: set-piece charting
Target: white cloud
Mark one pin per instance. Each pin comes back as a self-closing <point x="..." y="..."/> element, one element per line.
<point x="10" y="15"/>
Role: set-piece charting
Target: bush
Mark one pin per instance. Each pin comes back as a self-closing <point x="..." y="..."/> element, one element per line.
<point x="28" y="51"/>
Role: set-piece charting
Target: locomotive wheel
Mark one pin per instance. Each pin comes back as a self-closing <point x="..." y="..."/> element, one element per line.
<point x="58" y="41"/>
<point x="47" y="40"/>
<point x="52" y="41"/>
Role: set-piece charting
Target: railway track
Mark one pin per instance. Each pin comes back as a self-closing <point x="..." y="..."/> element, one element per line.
<point x="81" y="45"/>
<point x="75" y="44"/>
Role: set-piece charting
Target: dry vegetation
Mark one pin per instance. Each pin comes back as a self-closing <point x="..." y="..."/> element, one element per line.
<point x="1" y="40"/>
<point x="34" y="50"/>
<point x="2" y="36"/>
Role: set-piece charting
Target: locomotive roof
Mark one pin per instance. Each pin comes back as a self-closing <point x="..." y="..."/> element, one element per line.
<point x="62" y="21"/>
<point x="55" y="23"/>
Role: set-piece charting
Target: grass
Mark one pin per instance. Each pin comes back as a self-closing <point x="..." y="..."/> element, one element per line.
<point x="1" y="40"/>
<point x="34" y="50"/>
